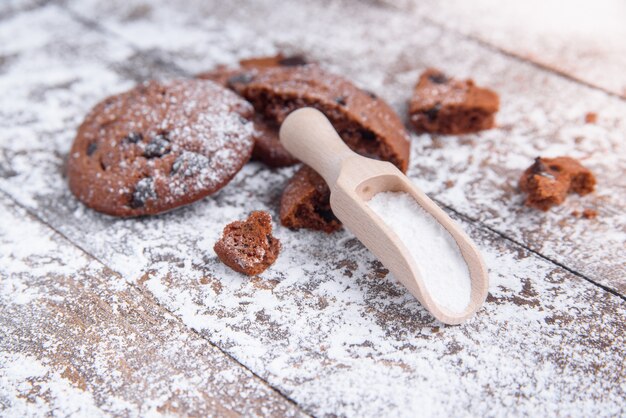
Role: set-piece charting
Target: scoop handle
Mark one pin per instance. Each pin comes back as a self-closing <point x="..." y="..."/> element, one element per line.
<point x="309" y="136"/>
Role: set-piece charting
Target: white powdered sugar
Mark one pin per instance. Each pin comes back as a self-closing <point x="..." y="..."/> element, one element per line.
<point x="436" y="254"/>
<point x="325" y="325"/>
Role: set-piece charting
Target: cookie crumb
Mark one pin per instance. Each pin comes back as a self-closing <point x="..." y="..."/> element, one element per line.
<point x="590" y="213"/>
<point x="248" y="246"/>
<point x="306" y="203"/>
<point x="441" y="104"/>
<point x="591" y="117"/>
<point x="548" y="181"/>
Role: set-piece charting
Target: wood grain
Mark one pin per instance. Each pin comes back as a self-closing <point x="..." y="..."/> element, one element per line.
<point x="78" y="331"/>
<point x="579" y="39"/>
<point x="476" y="175"/>
<point x="327" y="324"/>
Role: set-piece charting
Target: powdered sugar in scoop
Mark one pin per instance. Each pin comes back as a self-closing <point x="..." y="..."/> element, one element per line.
<point x="436" y="254"/>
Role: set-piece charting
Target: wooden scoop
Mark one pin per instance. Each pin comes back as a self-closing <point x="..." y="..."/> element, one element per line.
<point x="353" y="180"/>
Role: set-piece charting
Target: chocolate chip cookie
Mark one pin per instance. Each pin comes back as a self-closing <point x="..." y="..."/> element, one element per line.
<point x="159" y="146"/>
<point x="441" y="104"/>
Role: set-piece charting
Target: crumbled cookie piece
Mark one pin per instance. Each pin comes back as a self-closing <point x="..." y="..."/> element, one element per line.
<point x="548" y="181"/>
<point x="306" y="203"/>
<point x="590" y="213"/>
<point x="441" y="104"/>
<point x="248" y="246"/>
<point x="591" y="117"/>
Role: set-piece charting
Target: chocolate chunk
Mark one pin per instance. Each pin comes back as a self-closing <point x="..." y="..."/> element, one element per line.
<point x="158" y="146"/>
<point x="371" y="94"/>
<point x="433" y="112"/>
<point x="243" y="78"/>
<point x="91" y="148"/>
<point x="293" y="61"/>
<point x="341" y="100"/>
<point x="144" y="191"/>
<point x="133" y="137"/>
<point x="367" y="135"/>
<point x="438" y="78"/>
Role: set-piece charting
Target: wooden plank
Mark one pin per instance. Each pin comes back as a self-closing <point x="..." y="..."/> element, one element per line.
<point x="326" y="324"/>
<point x="584" y="40"/>
<point x="542" y="113"/>
<point x="76" y="339"/>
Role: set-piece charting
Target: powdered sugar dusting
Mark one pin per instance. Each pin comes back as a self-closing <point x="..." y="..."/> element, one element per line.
<point x="438" y="258"/>
<point x="326" y="324"/>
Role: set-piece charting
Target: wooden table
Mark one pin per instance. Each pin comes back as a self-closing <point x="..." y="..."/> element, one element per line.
<point x="101" y="316"/>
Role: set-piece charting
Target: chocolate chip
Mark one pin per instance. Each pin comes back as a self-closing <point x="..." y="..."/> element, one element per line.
<point x="367" y="135"/>
<point x="158" y="146"/>
<point x="91" y="148"/>
<point x="243" y="78"/>
<point x="341" y="100"/>
<point x="189" y="164"/>
<point x="438" y="78"/>
<point x="144" y="191"/>
<point x="133" y="137"/>
<point x="372" y="95"/>
<point x="539" y="168"/>
<point x="433" y="112"/>
<point x="326" y="214"/>
<point x="293" y="61"/>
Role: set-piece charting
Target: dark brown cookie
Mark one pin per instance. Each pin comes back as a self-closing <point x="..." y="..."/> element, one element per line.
<point x="267" y="147"/>
<point x="306" y="203"/>
<point x="548" y="181"/>
<point x="248" y="246"/>
<point x="441" y="104"/>
<point x="367" y="124"/>
<point x="159" y="146"/>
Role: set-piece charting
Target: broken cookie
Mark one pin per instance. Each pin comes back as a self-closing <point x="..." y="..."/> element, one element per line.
<point x="441" y="104"/>
<point x="306" y="203"/>
<point x="248" y="246"/>
<point x="548" y="181"/>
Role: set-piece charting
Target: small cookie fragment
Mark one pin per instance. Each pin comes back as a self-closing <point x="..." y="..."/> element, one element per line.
<point x="591" y="117"/>
<point x="548" y="181"/>
<point x="159" y="146"/>
<point x="586" y="214"/>
<point x="306" y="203"/>
<point x="248" y="246"/>
<point x="444" y="105"/>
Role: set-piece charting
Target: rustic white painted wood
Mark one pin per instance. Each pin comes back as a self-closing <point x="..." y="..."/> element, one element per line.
<point x="353" y="180"/>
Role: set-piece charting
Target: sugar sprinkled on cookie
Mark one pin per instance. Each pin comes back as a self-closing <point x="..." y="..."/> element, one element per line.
<point x="159" y="146"/>
<point x="441" y="104"/>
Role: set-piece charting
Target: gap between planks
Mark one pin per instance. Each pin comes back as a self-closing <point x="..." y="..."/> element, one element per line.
<point x="156" y="303"/>
<point x="520" y="58"/>
<point x="173" y="67"/>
